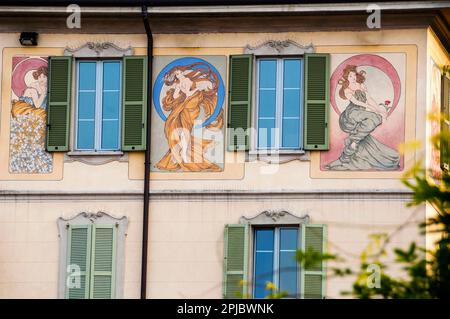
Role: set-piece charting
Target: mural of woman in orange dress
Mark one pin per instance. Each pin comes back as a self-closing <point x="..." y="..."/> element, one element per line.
<point x="192" y="93"/>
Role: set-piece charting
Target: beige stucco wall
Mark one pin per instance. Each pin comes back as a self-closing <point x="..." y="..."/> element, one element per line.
<point x="186" y="238"/>
<point x="186" y="233"/>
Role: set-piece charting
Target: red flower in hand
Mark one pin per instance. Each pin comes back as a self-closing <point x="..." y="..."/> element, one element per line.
<point x="387" y="102"/>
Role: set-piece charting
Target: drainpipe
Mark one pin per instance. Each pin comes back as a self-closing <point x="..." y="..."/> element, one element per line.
<point x="146" y="203"/>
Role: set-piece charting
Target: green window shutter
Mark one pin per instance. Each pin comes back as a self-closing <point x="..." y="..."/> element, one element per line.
<point x="103" y="262"/>
<point x="239" y="102"/>
<point x="134" y="103"/>
<point x="235" y="261"/>
<point x="313" y="277"/>
<point x="445" y="124"/>
<point x="78" y="255"/>
<point x="317" y="99"/>
<point x="59" y="100"/>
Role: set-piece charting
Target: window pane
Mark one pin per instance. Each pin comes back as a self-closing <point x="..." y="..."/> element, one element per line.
<point x="110" y="105"/>
<point x="267" y="74"/>
<point x="292" y="73"/>
<point x="264" y="244"/>
<point x="291" y="103"/>
<point x="291" y="133"/>
<point x="86" y="105"/>
<point x="85" y="134"/>
<point x="111" y="75"/>
<point x="266" y="133"/>
<point x="267" y="103"/>
<point x="288" y="265"/>
<point x="87" y="75"/>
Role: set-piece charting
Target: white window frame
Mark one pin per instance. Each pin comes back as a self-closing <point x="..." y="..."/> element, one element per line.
<point x="279" y="108"/>
<point x="98" y="107"/>
<point x="276" y="255"/>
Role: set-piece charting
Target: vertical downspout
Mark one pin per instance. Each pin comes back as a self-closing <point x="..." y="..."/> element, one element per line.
<point x="146" y="203"/>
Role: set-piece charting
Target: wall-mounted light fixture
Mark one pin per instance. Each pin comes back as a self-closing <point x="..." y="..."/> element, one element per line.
<point x="28" y="38"/>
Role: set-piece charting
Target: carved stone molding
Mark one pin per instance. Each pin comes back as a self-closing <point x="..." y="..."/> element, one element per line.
<point x="98" y="50"/>
<point x="90" y="217"/>
<point x="279" y="47"/>
<point x="271" y="216"/>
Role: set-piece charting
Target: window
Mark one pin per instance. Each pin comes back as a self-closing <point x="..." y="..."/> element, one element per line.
<point x="273" y="258"/>
<point x="279" y="103"/>
<point x="275" y="262"/>
<point x="98" y="105"/>
<point x="91" y="262"/>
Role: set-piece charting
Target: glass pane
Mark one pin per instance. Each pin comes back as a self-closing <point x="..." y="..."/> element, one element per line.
<point x="111" y="102"/>
<point x="288" y="265"/>
<point x="291" y="133"/>
<point x="111" y="75"/>
<point x="267" y="74"/>
<point x="110" y="134"/>
<point x="266" y="133"/>
<point x="288" y="273"/>
<point x="267" y="103"/>
<point x="110" y="105"/>
<point x="86" y="105"/>
<point x="291" y="103"/>
<point x="264" y="254"/>
<point x="87" y="75"/>
<point x="292" y="73"/>
<point x="288" y="238"/>
<point x="85" y="134"/>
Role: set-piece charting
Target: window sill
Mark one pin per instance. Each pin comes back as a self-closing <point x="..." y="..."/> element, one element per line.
<point x="277" y="156"/>
<point x="96" y="158"/>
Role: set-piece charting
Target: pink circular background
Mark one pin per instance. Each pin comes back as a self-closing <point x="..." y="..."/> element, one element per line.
<point x="18" y="84"/>
<point x="366" y="60"/>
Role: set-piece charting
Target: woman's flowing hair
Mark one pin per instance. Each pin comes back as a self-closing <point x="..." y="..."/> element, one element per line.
<point x="360" y="78"/>
<point x="200" y="72"/>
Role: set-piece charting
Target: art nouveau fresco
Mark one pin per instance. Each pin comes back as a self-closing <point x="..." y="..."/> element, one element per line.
<point x="28" y="116"/>
<point x="367" y="117"/>
<point x="435" y="89"/>
<point x="188" y="117"/>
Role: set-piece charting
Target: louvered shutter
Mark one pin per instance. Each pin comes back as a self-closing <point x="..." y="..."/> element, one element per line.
<point x="78" y="258"/>
<point x="239" y="102"/>
<point x="134" y="104"/>
<point x="59" y="100"/>
<point x="314" y="276"/>
<point x="316" y="101"/>
<point x="445" y="123"/>
<point x="235" y="261"/>
<point x="103" y="262"/>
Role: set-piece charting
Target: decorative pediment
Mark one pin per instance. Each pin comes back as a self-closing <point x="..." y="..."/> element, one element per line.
<point x="98" y="50"/>
<point x="269" y="217"/>
<point x="279" y="47"/>
<point x="84" y="218"/>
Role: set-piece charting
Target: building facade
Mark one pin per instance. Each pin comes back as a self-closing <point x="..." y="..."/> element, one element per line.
<point x="270" y="133"/>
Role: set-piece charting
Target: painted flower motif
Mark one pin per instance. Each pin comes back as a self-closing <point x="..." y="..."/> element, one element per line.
<point x="387" y="102"/>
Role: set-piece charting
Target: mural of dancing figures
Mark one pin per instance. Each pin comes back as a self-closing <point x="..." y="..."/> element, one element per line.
<point x="367" y="116"/>
<point x="28" y="117"/>
<point x="188" y="122"/>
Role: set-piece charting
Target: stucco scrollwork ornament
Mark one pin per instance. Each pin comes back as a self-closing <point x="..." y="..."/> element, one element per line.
<point x="279" y="47"/>
<point x="98" y="49"/>
<point x="272" y="216"/>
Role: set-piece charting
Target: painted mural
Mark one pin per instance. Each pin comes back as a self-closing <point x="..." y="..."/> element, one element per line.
<point x="28" y="116"/>
<point x="367" y="113"/>
<point x="187" y="127"/>
<point x="435" y="89"/>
